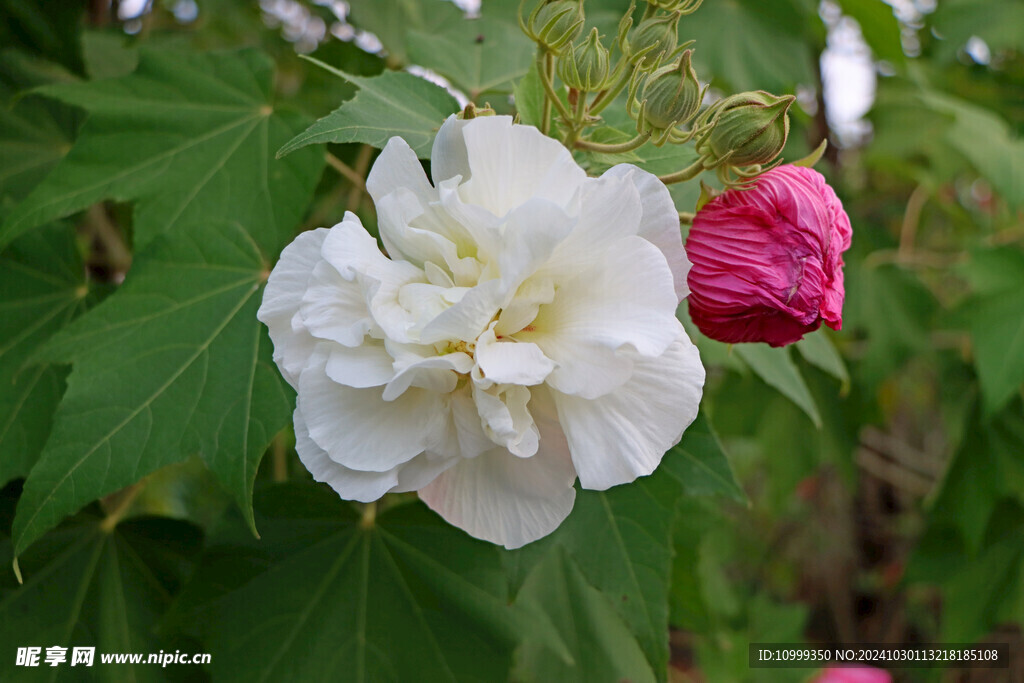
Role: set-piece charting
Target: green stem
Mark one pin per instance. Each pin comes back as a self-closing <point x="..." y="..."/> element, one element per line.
<point x="577" y="120"/>
<point x="119" y="504"/>
<point x="606" y="97"/>
<point x="688" y="173"/>
<point x="369" y="515"/>
<point x="546" y="69"/>
<point x="620" y="148"/>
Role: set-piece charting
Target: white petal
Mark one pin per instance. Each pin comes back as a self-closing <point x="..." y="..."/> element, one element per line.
<point x="504" y="499"/>
<point x="367" y="365"/>
<point x="397" y="166"/>
<point x="281" y="300"/>
<point x="448" y="157"/>
<point x="510" y="164"/>
<point x="530" y="235"/>
<point x="350" y="484"/>
<point x="434" y="373"/>
<point x="420" y="233"/>
<point x="335" y="308"/>
<point x="505" y="418"/>
<point x="618" y="437"/>
<point x="511" y="362"/>
<point x="609" y="210"/>
<point x="467" y="318"/>
<point x="621" y="295"/>
<point x="521" y="311"/>
<point x="365" y="486"/>
<point x="359" y="429"/>
<point x="354" y="254"/>
<point x="659" y="223"/>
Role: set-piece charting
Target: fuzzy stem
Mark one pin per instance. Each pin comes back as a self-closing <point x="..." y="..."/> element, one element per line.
<point x="345" y="170"/>
<point x="688" y="173"/>
<point x="546" y="68"/>
<point x="620" y="148"/>
<point x="369" y="515"/>
<point x="124" y="499"/>
<point x="606" y="97"/>
<point x="279" y="456"/>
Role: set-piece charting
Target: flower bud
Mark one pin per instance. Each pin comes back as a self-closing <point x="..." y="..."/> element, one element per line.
<point x="673" y="94"/>
<point x="585" y="65"/>
<point x="655" y="35"/>
<point x="767" y="260"/>
<point x="557" y="23"/>
<point x="749" y="128"/>
<point x="471" y="111"/>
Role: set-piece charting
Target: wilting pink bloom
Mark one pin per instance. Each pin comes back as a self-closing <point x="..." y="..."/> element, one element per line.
<point x="853" y="674"/>
<point x="767" y="260"/>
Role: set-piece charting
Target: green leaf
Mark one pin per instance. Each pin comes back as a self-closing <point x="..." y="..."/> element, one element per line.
<point x="189" y="138"/>
<point x="994" y="270"/>
<point x="997" y="332"/>
<point x="699" y="464"/>
<point x="90" y="587"/>
<point x="879" y="26"/>
<point x="893" y="309"/>
<point x="394" y="103"/>
<point x="404" y="598"/>
<point x="997" y="22"/>
<point x="765" y="49"/>
<point x="601" y="645"/>
<point x="818" y="350"/>
<point x="776" y="368"/>
<point x="986" y="140"/>
<point x="529" y="98"/>
<point x="391" y="20"/>
<point x="46" y="28"/>
<point x="108" y="54"/>
<point x="987" y="467"/>
<point x="477" y="56"/>
<point x="994" y="316"/>
<point x="980" y="589"/>
<point x="621" y="538"/>
<point x="42" y="288"/>
<point x="35" y="133"/>
<point x="172" y="363"/>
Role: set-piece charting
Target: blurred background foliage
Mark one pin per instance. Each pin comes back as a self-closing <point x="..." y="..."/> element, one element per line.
<point x="883" y="465"/>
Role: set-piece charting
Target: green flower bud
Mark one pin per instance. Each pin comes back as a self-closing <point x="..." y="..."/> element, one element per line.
<point x="655" y="35"/>
<point x="749" y="128"/>
<point x="555" y="24"/>
<point x="471" y="111"/>
<point x="673" y="94"/>
<point x="585" y="65"/>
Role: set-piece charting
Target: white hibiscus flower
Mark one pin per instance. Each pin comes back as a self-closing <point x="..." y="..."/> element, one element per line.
<point x="520" y="332"/>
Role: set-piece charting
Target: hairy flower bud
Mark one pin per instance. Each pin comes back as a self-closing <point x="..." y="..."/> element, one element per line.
<point x="555" y="24"/>
<point x="749" y="128"/>
<point x="585" y="65"/>
<point x="673" y="94"/>
<point x="767" y="260"/>
<point x="655" y="35"/>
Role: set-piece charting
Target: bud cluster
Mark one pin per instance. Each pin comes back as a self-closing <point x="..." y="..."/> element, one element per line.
<point x="740" y="136"/>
